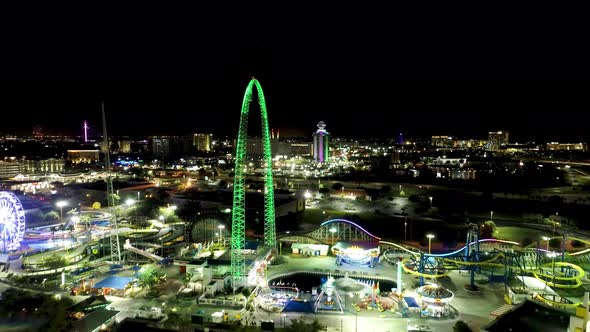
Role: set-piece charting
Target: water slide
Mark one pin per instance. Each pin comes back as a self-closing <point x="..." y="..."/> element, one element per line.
<point x="154" y="257"/>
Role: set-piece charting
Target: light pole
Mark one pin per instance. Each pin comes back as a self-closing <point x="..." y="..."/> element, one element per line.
<point x="430" y="198"/>
<point x="129" y="202"/>
<point x="221" y="227"/>
<point x="546" y="238"/>
<point x="60" y="205"/>
<point x="332" y="230"/>
<point x="430" y="237"/>
<point x="405" y="229"/>
<point x="492" y="215"/>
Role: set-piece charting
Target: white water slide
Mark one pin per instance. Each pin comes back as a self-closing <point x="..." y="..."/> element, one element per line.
<point x="154" y="257"/>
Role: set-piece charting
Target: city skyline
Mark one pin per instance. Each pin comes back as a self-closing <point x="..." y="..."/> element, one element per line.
<point x="546" y="111"/>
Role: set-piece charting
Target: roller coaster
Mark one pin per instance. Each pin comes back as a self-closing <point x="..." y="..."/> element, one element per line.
<point x="501" y="260"/>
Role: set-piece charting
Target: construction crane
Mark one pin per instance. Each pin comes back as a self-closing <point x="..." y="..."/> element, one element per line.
<point x="115" y="248"/>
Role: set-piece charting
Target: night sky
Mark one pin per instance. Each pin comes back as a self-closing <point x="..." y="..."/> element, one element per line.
<point x="177" y="76"/>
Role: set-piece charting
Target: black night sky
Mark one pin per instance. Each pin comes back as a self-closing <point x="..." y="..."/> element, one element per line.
<point x="178" y="76"/>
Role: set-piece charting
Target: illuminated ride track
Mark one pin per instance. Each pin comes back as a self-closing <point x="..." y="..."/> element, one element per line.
<point x="508" y="255"/>
<point x="490" y="254"/>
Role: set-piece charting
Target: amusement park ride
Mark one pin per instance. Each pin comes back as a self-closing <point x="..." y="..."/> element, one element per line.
<point x="12" y="221"/>
<point x="238" y="241"/>
<point x="115" y="246"/>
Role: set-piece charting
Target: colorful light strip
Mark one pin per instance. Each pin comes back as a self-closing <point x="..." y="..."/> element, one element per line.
<point x="350" y="223"/>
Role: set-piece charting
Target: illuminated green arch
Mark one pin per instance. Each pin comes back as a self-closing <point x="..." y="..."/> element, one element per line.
<point x="238" y="267"/>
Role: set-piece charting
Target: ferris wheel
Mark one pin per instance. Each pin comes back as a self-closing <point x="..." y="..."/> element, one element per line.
<point x="12" y="221"/>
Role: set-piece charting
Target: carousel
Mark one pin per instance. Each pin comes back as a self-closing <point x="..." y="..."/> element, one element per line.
<point x="435" y="300"/>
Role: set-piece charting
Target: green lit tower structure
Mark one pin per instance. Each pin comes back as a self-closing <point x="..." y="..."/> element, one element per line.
<point x="238" y="266"/>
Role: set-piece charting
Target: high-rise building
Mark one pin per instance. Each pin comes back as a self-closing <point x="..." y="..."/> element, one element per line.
<point x="497" y="139"/>
<point x="124" y="146"/>
<point x="202" y="142"/>
<point x="160" y="146"/>
<point x="321" y="144"/>
<point x="171" y="146"/>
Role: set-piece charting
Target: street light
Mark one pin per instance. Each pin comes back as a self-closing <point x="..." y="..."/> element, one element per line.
<point x="430" y="198"/>
<point x="129" y="202"/>
<point x="307" y="194"/>
<point x="60" y="205"/>
<point x="492" y="215"/>
<point x="405" y="229"/>
<point x="546" y="238"/>
<point x="430" y="237"/>
<point x="333" y="230"/>
<point x="221" y="227"/>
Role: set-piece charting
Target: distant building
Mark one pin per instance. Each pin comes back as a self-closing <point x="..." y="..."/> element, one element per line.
<point x="9" y="168"/>
<point x="104" y="146"/>
<point x="300" y="149"/>
<point x="400" y="139"/>
<point x="124" y="146"/>
<point x="32" y="166"/>
<point x="83" y="156"/>
<point x="38" y="131"/>
<point x="321" y="144"/>
<point x="160" y="146"/>
<point x="202" y="142"/>
<point x="555" y="146"/>
<point x="254" y="147"/>
<point x="441" y="141"/>
<point x="497" y="139"/>
<point x="170" y="146"/>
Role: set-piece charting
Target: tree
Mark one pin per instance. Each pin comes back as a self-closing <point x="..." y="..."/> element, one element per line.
<point x="54" y="261"/>
<point x="149" y="276"/>
<point x="299" y="325"/>
<point x="190" y="209"/>
<point x="53" y="309"/>
<point x="487" y="230"/>
<point x="116" y="198"/>
<point x="187" y="278"/>
<point x="51" y="216"/>
<point x="461" y="326"/>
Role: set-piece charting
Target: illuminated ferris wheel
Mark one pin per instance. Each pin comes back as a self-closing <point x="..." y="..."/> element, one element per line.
<point x="12" y="221"/>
